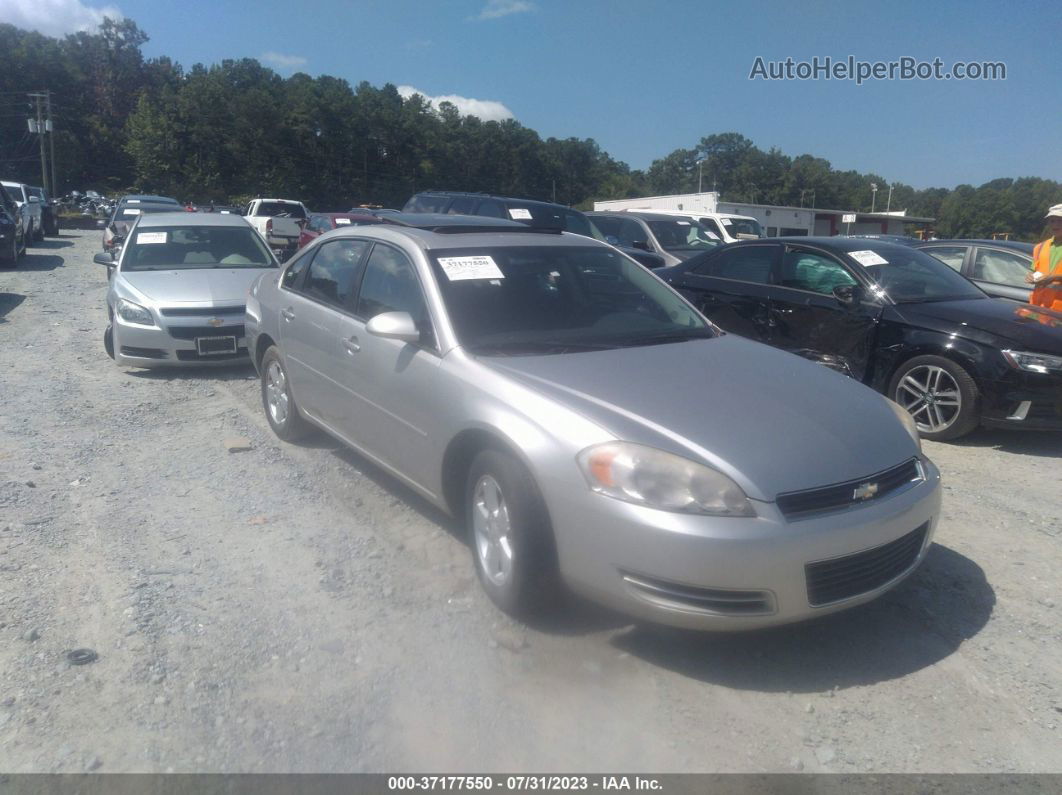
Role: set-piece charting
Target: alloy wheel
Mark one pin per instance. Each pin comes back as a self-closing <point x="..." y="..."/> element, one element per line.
<point x="277" y="393"/>
<point x="931" y="396"/>
<point x="493" y="530"/>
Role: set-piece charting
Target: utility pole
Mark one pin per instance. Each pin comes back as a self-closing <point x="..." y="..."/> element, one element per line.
<point x="40" y="134"/>
<point x="51" y="141"/>
<point x="888" y="204"/>
<point x="873" y="195"/>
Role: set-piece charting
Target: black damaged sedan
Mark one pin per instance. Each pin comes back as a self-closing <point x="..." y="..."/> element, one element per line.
<point x="894" y="318"/>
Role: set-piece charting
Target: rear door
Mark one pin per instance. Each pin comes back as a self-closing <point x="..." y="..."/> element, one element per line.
<point x="1000" y="272"/>
<point x="807" y="318"/>
<point x="733" y="288"/>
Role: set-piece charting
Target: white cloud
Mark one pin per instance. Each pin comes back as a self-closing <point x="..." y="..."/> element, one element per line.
<point x="55" y="17"/>
<point x="486" y="109"/>
<point x="282" y="61"/>
<point x="495" y="9"/>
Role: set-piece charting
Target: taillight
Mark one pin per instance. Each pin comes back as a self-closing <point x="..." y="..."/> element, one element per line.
<point x="269" y="226"/>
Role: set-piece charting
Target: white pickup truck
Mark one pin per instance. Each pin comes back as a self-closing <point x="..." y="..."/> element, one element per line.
<point x="277" y="220"/>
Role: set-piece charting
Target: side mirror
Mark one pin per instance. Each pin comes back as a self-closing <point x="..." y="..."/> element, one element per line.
<point x="848" y="294"/>
<point x="641" y="244"/>
<point x="394" y="326"/>
<point x="104" y="258"/>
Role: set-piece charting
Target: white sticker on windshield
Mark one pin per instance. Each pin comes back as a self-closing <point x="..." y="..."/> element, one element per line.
<point x="147" y="238"/>
<point x="520" y="214"/>
<point x="132" y="201"/>
<point x="130" y="212"/>
<point x="683" y="223"/>
<point x="868" y="258"/>
<point x="343" y="221"/>
<point x="461" y="268"/>
<point x="726" y="222"/>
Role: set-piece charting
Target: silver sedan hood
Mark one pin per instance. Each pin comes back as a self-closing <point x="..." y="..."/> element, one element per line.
<point x="193" y="285"/>
<point x="772" y="421"/>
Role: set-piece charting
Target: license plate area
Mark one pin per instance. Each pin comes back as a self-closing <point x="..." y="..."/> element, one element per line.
<point x="214" y="346"/>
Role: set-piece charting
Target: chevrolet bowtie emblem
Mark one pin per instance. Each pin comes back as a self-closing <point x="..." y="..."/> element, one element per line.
<point x="864" y="491"/>
<point x="215" y="321"/>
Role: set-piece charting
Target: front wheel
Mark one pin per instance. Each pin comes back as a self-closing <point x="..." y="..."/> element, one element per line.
<point x="510" y="533"/>
<point x="939" y="395"/>
<point x="279" y="403"/>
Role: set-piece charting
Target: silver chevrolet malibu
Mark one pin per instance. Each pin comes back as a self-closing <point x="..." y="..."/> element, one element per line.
<point x="179" y="288"/>
<point x="589" y="427"/>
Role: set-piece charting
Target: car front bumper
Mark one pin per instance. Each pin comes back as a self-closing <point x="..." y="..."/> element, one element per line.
<point x="1023" y="400"/>
<point x="725" y="574"/>
<point x="177" y="345"/>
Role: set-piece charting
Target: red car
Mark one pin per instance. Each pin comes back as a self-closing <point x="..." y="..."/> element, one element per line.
<point x="319" y="223"/>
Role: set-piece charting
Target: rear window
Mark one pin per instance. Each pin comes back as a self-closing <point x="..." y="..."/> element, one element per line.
<point x="280" y="210"/>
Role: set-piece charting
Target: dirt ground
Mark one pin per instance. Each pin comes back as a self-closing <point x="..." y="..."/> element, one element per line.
<point x="290" y="608"/>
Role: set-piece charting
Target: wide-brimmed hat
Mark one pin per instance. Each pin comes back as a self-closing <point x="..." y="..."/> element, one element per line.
<point x="1054" y="212"/>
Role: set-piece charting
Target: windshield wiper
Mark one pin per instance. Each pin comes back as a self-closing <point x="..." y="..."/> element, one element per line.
<point x="668" y="337"/>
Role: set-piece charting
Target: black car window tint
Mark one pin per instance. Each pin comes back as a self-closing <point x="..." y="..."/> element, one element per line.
<point x="632" y="232"/>
<point x="952" y="256"/>
<point x="803" y="270"/>
<point x="462" y="205"/>
<point x="390" y="285"/>
<point x="746" y="264"/>
<point x="427" y="204"/>
<point x="334" y="271"/>
<point x="490" y="208"/>
<point x="1000" y="267"/>
<point x="712" y="226"/>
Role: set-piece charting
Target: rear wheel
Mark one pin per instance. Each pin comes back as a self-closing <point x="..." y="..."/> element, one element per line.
<point x="10" y="254"/>
<point x="108" y="340"/>
<point x="40" y="234"/>
<point x="939" y="395"/>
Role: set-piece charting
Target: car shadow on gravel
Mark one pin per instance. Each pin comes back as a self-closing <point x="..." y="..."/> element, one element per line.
<point x="50" y="244"/>
<point x="924" y="620"/>
<point x="1047" y="444"/>
<point x="235" y="372"/>
<point x="40" y="262"/>
<point x="8" y="302"/>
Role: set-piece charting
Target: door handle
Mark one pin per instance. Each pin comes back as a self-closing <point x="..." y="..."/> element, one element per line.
<point x="352" y="345"/>
<point x="287" y="314"/>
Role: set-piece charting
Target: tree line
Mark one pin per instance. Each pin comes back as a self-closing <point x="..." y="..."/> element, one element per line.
<point x="237" y="129"/>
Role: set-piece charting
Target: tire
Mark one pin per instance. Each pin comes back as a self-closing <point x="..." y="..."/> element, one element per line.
<point x="108" y="340"/>
<point x="939" y="394"/>
<point x="40" y="234"/>
<point x="510" y="535"/>
<point x="277" y="400"/>
<point x="30" y="236"/>
<point x="10" y="258"/>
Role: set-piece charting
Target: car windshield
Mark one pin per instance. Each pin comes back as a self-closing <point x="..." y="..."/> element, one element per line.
<point x="682" y="234"/>
<point x="187" y="247"/>
<point x="280" y="210"/>
<point x="552" y="299"/>
<point x="909" y="276"/>
<point x="548" y="215"/>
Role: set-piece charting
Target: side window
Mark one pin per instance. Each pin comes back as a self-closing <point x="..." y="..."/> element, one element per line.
<point x="294" y="270"/>
<point x="803" y="270"/>
<point x="427" y="204"/>
<point x="1000" y="267"/>
<point x="490" y="208"/>
<point x="952" y="256"/>
<point x="334" y="272"/>
<point x="390" y="285"/>
<point x="746" y="264"/>
<point x="631" y="232"/>
<point x="713" y="227"/>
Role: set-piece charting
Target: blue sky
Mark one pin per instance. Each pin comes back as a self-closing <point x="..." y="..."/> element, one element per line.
<point x="643" y="78"/>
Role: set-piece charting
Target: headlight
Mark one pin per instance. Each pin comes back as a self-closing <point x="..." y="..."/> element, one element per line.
<point x="1033" y="362"/>
<point x="134" y="313"/>
<point x="655" y="479"/>
<point x="908" y="421"/>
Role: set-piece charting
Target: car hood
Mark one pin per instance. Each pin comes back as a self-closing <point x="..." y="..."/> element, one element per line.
<point x="770" y="420"/>
<point x="214" y="285"/>
<point x="994" y="321"/>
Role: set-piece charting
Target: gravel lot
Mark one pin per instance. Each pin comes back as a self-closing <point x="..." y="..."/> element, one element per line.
<point x="289" y="608"/>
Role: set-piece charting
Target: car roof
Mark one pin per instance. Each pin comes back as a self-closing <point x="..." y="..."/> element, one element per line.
<point x="440" y="231"/>
<point x="147" y="197"/>
<point x="1017" y="245"/>
<point x="457" y="193"/>
<point x="645" y="215"/>
<point x="686" y="213"/>
<point x="181" y="218"/>
<point x="835" y="243"/>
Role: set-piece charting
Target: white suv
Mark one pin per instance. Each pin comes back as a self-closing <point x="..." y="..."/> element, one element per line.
<point x="29" y="209"/>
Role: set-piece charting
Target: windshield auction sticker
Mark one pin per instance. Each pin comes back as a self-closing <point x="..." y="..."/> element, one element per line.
<point x="343" y="221"/>
<point x="868" y="258"/>
<point x="461" y="268"/>
<point x="147" y="238"/>
<point x="520" y="214"/>
<point x="131" y="212"/>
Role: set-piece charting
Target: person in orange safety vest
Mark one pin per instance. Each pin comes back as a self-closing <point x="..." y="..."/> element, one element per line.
<point x="1046" y="275"/>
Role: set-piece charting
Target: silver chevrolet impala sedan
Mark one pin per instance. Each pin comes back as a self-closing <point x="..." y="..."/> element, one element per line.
<point x="589" y="427"/>
<point x="179" y="288"/>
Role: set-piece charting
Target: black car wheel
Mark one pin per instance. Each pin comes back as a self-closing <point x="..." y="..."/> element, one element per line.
<point x="510" y="534"/>
<point x="40" y="234"/>
<point x="108" y="340"/>
<point x="939" y="394"/>
<point x="9" y="257"/>
<point x="279" y="403"/>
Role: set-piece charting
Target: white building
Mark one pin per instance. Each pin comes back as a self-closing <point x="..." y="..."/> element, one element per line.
<point x="778" y="221"/>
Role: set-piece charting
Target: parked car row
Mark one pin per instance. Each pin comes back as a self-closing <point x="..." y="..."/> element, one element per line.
<point x="27" y="214"/>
